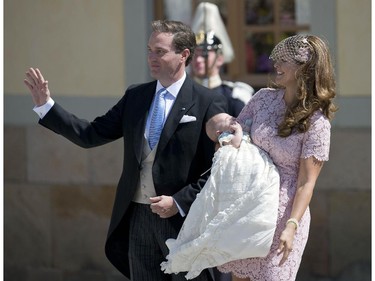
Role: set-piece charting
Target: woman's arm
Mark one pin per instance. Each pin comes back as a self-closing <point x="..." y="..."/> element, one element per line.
<point x="308" y="174"/>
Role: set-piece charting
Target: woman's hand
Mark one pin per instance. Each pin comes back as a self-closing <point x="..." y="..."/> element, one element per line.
<point x="286" y="242"/>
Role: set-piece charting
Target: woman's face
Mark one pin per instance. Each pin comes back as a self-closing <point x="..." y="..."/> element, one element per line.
<point x="286" y="73"/>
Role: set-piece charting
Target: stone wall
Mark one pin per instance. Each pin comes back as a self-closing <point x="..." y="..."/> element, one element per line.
<point x="339" y="246"/>
<point x="57" y="205"/>
<point x="58" y="200"/>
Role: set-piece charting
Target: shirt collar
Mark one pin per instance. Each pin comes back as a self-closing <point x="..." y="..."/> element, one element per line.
<point x="174" y="88"/>
<point x="211" y="82"/>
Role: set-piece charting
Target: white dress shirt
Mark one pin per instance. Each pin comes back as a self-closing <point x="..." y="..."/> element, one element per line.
<point x="43" y="109"/>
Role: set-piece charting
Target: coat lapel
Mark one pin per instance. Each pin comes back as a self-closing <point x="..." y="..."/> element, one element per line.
<point x="140" y="109"/>
<point x="183" y="103"/>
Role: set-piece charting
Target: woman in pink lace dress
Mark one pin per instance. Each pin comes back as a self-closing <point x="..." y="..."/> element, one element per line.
<point x="292" y="123"/>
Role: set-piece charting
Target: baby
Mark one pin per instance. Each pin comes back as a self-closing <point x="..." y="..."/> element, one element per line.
<point x="234" y="215"/>
<point x="223" y="129"/>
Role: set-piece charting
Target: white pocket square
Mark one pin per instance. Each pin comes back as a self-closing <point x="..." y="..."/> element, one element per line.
<point x="188" y="118"/>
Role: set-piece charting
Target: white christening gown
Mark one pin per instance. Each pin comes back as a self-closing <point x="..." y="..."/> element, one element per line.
<point x="234" y="215"/>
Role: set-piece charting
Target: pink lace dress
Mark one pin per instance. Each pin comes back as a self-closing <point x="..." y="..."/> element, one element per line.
<point x="264" y="112"/>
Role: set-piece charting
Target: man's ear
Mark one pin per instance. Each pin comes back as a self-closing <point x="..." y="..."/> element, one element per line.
<point x="185" y="55"/>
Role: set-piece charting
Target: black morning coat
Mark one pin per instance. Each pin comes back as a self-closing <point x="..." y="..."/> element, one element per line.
<point x="183" y="154"/>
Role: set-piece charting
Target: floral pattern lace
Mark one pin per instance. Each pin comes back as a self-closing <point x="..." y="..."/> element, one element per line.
<point x="264" y="112"/>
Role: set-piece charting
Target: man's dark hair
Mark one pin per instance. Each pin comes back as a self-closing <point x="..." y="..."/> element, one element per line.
<point x="183" y="36"/>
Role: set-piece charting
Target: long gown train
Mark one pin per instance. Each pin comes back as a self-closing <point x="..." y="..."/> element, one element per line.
<point x="233" y="217"/>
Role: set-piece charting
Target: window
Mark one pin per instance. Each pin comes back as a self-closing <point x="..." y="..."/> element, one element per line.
<point x="265" y="23"/>
<point x="255" y="27"/>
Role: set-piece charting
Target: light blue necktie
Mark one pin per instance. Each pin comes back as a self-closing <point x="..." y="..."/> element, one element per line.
<point x="157" y="118"/>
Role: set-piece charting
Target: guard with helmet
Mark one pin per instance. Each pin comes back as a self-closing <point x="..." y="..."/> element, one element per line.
<point x="214" y="49"/>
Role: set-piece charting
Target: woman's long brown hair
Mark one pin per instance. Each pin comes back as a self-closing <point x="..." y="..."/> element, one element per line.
<point x="316" y="90"/>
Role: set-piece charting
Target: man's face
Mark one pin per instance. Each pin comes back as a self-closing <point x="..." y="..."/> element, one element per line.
<point x="165" y="65"/>
<point x="214" y="62"/>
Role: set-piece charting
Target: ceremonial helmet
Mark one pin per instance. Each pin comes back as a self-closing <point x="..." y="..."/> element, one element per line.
<point x="210" y="30"/>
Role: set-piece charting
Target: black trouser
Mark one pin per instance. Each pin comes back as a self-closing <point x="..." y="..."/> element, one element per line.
<point x="147" y="248"/>
<point x="219" y="276"/>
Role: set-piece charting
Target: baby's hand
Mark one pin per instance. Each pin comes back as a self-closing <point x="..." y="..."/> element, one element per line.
<point x="237" y="132"/>
<point x="235" y="126"/>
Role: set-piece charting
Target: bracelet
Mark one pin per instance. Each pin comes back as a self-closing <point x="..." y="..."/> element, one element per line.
<point x="293" y="220"/>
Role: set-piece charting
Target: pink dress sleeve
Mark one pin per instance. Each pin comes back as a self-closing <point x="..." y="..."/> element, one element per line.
<point x="316" y="141"/>
<point x="246" y="115"/>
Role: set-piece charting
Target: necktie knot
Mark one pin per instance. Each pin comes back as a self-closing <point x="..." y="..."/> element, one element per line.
<point x="161" y="93"/>
<point x="157" y="118"/>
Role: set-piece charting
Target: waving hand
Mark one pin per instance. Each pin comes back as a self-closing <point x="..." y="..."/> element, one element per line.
<point x="38" y="86"/>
